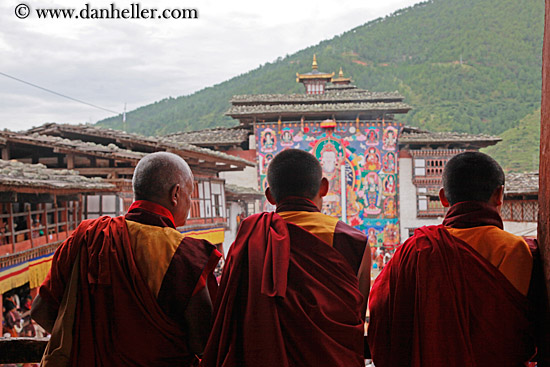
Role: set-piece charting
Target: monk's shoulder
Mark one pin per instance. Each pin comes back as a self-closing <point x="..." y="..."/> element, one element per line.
<point x="197" y="243"/>
<point x="506" y="240"/>
<point x="422" y="238"/>
<point x="146" y="233"/>
<point x="350" y="231"/>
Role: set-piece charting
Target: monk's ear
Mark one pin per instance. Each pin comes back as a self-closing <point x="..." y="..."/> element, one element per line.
<point x="443" y="198"/>
<point x="270" y="197"/>
<point x="323" y="190"/>
<point x="497" y="198"/>
<point x="175" y="193"/>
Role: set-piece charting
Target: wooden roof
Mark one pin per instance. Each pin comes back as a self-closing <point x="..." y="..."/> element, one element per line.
<point x="428" y="137"/>
<point x="336" y="93"/>
<point x="141" y="144"/>
<point x="61" y="145"/>
<point x="522" y="183"/>
<point x="413" y="137"/>
<point x="36" y="178"/>
<point x="240" y="191"/>
<point x="339" y="109"/>
<point x="215" y="136"/>
<point x="345" y="102"/>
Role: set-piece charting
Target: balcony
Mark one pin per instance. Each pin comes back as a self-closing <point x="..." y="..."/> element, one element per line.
<point x="30" y="350"/>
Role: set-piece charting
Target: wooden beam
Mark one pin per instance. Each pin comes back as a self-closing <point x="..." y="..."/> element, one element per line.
<point x="8" y="197"/>
<point x="70" y="161"/>
<point x="22" y="350"/>
<point x="35" y="198"/>
<point x="75" y="197"/>
<point x="29" y="225"/>
<point x="6" y="153"/>
<point x="103" y="171"/>
<point x="11" y="226"/>
<point x="544" y="167"/>
<point x="543" y="229"/>
<point x="45" y="220"/>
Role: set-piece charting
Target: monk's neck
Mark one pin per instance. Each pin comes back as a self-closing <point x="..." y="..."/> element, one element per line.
<point x="296" y="203"/>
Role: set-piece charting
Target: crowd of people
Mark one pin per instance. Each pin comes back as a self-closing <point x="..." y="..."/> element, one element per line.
<point x="17" y="321"/>
<point x="296" y="283"/>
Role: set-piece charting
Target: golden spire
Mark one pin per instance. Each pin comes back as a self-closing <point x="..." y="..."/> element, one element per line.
<point x="341" y="79"/>
<point x="314" y="64"/>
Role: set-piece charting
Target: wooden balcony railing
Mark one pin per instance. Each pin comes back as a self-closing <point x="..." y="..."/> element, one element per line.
<point x="30" y="350"/>
<point x="39" y="227"/>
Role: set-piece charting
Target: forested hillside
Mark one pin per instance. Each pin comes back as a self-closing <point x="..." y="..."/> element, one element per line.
<point x="519" y="150"/>
<point x="464" y="65"/>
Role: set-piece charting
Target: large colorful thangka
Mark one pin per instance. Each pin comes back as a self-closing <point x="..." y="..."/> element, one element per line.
<point x="368" y="151"/>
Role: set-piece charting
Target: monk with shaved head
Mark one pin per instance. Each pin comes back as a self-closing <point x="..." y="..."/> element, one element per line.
<point x="295" y="284"/>
<point x="459" y="293"/>
<point x="132" y="290"/>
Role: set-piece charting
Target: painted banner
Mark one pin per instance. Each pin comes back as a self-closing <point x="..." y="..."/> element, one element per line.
<point x="367" y="151"/>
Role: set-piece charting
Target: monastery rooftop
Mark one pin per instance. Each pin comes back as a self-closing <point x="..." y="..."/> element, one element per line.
<point x="215" y="136"/>
<point x="135" y="141"/>
<point x="22" y="177"/>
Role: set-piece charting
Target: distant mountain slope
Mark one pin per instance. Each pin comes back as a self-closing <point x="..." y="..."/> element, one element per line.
<point x="516" y="152"/>
<point x="468" y="66"/>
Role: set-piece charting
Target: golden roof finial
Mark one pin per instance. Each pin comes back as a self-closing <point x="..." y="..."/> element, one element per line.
<point x="314" y="64"/>
<point x="340" y="73"/>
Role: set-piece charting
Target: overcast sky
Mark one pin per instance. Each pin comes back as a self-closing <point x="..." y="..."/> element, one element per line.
<point x="110" y="62"/>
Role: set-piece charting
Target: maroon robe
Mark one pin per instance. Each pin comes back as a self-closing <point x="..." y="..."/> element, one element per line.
<point x="286" y="298"/>
<point x="438" y="302"/>
<point x="118" y="321"/>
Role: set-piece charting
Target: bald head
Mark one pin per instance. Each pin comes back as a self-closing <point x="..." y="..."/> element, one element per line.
<point x="471" y="176"/>
<point x="294" y="172"/>
<point x="157" y="173"/>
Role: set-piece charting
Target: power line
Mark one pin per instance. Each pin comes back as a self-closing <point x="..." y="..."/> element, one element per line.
<point x="57" y="94"/>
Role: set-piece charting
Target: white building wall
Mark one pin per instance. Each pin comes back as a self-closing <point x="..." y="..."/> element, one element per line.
<point x="231" y="232"/>
<point x="521" y="228"/>
<point x="407" y="201"/>
<point x="246" y="178"/>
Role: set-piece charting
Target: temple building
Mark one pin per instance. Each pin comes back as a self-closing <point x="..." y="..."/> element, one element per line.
<point x="352" y="131"/>
<point x="384" y="176"/>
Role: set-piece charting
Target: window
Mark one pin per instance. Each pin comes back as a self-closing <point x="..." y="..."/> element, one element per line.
<point x="422" y="203"/>
<point x="102" y="204"/>
<point x="419" y="167"/>
<point x="208" y="200"/>
<point x="520" y="210"/>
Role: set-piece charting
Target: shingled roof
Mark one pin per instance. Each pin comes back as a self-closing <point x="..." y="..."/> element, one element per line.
<point x="522" y="183"/>
<point x="32" y="178"/>
<point x="59" y="144"/>
<point x="138" y="142"/>
<point x="239" y="191"/>
<point x="354" y="108"/>
<point x="424" y="137"/>
<point x="341" y="102"/>
<point x="333" y="95"/>
<point x="215" y="136"/>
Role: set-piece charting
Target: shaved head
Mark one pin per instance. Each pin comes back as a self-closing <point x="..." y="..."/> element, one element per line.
<point x="157" y="173"/>
<point x="471" y="176"/>
<point x="294" y="172"/>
